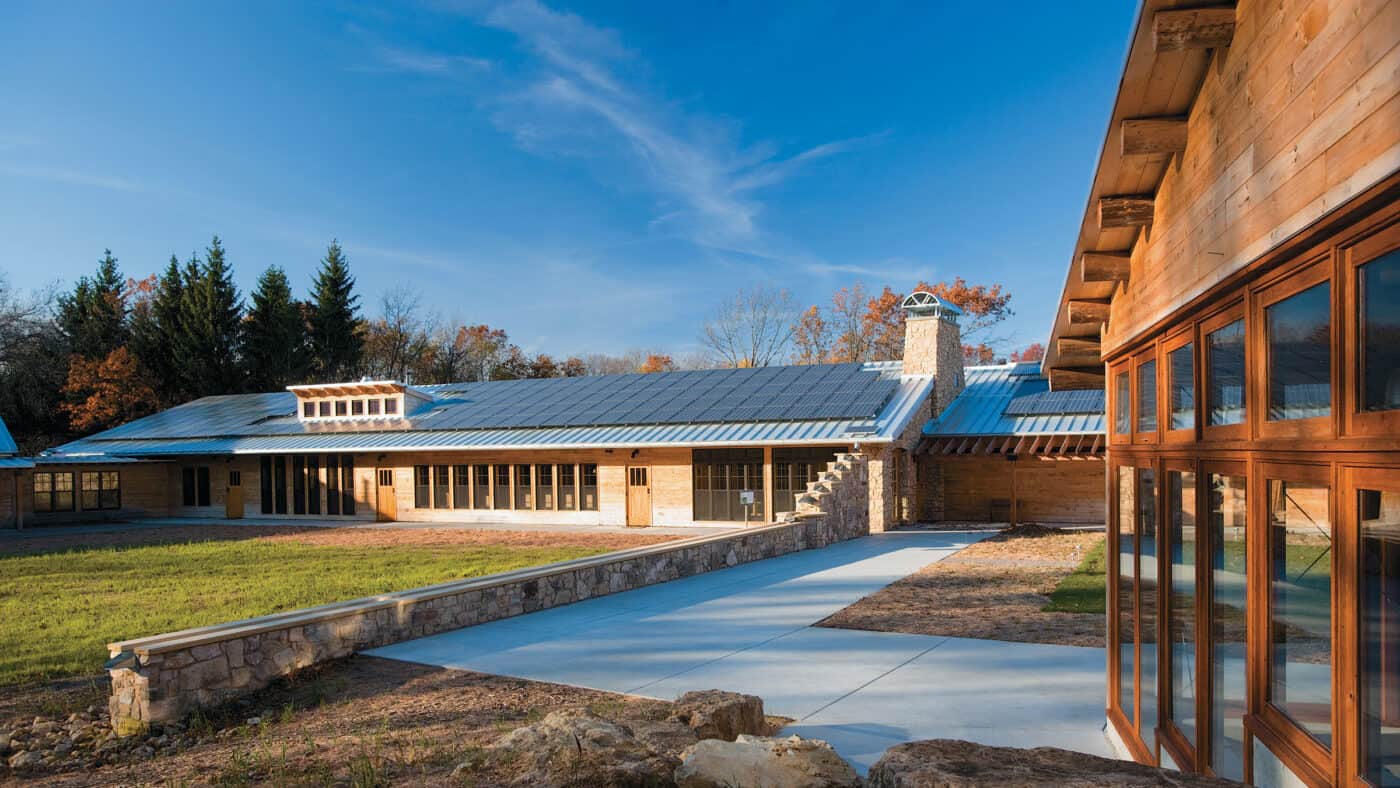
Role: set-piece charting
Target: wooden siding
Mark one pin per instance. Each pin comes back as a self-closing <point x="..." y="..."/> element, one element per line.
<point x="1300" y="113"/>
<point x="144" y="493"/>
<point x="1070" y="491"/>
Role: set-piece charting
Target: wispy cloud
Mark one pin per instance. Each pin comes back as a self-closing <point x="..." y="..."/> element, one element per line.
<point x="419" y="61"/>
<point x="77" y="177"/>
<point x="583" y="97"/>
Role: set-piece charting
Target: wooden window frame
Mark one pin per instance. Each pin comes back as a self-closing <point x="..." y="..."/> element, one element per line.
<point x="1116" y="438"/>
<point x="1129" y="729"/>
<point x="1293" y="746"/>
<point x="1351" y="257"/>
<point x="1216" y="321"/>
<point x="1186" y="335"/>
<point x="1205" y="735"/>
<point x="1170" y="738"/>
<point x="1316" y="270"/>
<point x="1147" y="355"/>
<point x="1347" y="667"/>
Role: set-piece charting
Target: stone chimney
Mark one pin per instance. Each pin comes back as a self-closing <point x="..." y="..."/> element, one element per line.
<point x="933" y="344"/>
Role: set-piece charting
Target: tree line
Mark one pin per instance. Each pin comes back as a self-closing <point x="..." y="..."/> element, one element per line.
<point x="112" y="348"/>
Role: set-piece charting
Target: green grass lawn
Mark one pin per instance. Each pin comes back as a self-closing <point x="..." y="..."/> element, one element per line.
<point x="58" y="611"/>
<point x="1083" y="591"/>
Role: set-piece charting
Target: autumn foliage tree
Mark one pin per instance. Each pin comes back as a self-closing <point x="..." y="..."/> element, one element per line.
<point x="1033" y="352"/>
<point x="657" y="362"/>
<point x="859" y="327"/>
<point x="102" y="393"/>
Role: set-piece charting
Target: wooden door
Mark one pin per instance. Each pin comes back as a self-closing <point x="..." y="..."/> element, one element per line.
<point x="386" y="508"/>
<point x="639" y="496"/>
<point x="233" y="496"/>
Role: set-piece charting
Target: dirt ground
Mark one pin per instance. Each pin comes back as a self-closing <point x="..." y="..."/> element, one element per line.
<point x="354" y="537"/>
<point x="993" y="590"/>
<point x="362" y="721"/>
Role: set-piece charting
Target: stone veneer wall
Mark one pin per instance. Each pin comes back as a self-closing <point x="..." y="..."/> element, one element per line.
<point x="162" y="678"/>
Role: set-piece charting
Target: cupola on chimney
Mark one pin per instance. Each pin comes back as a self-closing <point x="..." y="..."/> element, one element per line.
<point x="933" y="343"/>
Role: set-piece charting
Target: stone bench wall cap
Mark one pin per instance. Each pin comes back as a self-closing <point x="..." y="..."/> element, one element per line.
<point x="233" y="630"/>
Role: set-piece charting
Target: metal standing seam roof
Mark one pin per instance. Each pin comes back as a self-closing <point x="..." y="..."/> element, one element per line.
<point x="7" y="443"/>
<point x="261" y="412"/>
<point x="1004" y="400"/>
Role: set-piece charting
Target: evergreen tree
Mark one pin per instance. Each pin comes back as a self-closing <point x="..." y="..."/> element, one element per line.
<point x="274" y="335"/>
<point x="93" y="316"/>
<point x="337" y="339"/>
<point x="209" y="316"/>
<point x="156" y="333"/>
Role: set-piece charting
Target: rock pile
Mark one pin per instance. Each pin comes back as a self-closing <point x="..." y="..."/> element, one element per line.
<point x="83" y="740"/>
<point x="949" y="763"/>
<point x="763" y="762"/>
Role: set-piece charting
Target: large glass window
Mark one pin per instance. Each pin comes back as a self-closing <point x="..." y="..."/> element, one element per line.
<point x="524" y="492"/>
<point x="264" y="483"/>
<point x="1300" y="355"/>
<point x="53" y="492"/>
<point x="1300" y="620"/>
<point x="568" y="495"/>
<point x="1122" y="405"/>
<point x="481" y="487"/>
<point x="461" y="487"/>
<point x="1379" y="285"/>
<point x="442" y="477"/>
<point x="1147" y="396"/>
<point x="721" y="475"/>
<point x="298" y="484"/>
<point x="1380" y="636"/>
<point x="1181" y="596"/>
<point x="347" y="484"/>
<point x="422" y="487"/>
<point x="313" y="485"/>
<point x="588" y="487"/>
<point x="1181" y="383"/>
<point x="1127" y="599"/>
<point x="1225" y="375"/>
<point x="279" y="485"/>
<point x="544" y="486"/>
<point x="333" y="485"/>
<point x="501" y="489"/>
<point x="1228" y="625"/>
<point x="100" y="490"/>
<point x="793" y="470"/>
<point x="1147" y="600"/>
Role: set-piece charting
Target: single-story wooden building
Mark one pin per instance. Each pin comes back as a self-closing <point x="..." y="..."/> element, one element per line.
<point x="1235" y="287"/>
<point x="699" y="447"/>
<point x="1007" y="449"/>
<point x="12" y="480"/>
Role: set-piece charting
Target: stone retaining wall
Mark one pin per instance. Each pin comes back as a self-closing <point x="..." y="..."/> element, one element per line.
<point x="163" y="678"/>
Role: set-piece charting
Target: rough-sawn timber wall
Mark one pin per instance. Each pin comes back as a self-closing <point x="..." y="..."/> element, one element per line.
<point x="163" y="678"/>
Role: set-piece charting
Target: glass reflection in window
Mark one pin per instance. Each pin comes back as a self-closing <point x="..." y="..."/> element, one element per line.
<point x="1300" y="355"/>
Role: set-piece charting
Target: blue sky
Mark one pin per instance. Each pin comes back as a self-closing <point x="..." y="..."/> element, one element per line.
<point x="588" y="176"/>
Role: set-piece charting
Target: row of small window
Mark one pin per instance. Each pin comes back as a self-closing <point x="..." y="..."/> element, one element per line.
<point x="1206" y="655"/>
<point x="98" y="490"/>
<point x="489" y="486"/>
<point x="293" y="484"/>
<point x="1298" y="347"/>
<point x="322" y="409"/>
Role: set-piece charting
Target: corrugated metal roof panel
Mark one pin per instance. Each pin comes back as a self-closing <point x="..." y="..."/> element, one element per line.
<point x="1056" y="402"/>
<point x="7" y="443"/>
<point x="15" y="463"/>
<point x="981" y="408"/>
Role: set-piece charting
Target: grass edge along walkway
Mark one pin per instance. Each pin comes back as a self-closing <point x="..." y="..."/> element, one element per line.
<point x="1083" y="590"/>
<point x="59" y="610"/>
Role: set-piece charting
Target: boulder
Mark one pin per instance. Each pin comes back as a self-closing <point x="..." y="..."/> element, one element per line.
<point x="763" y="762"/>
<point x="569" y="749"/>
<point x="949" y="763"/>
<point x="21" y="761"/>
<point x="715" y="714"/>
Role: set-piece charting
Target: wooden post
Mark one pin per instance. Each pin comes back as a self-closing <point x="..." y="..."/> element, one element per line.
<point x="19" y="505"/>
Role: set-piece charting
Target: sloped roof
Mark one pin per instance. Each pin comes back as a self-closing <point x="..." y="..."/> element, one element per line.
<point x="7" y="443"/>
<point x="834" y="403"/>
<point x="1005" y="400"/>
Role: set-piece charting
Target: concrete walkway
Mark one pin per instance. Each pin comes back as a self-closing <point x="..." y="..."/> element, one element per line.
<point x="749" y="629"/>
